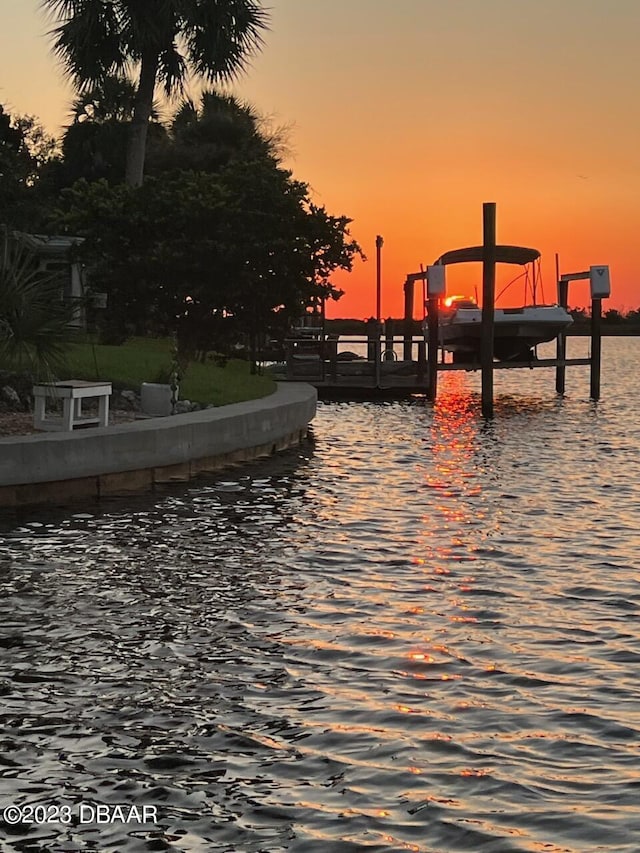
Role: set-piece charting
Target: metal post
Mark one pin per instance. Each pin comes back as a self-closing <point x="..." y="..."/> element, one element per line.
<point x="596" y="347"/>
<point x="379" y="244"/>
<point x="488" y="304"/>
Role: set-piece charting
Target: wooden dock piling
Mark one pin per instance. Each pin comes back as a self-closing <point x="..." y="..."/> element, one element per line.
<point x="389" y="352"/>
<point x="561" y="341"/>
<point x="407" y="343"/>
<point x="596" y="347"/>
<point x="595" y="358"/>
<point x="433" y="324"/>
<point x="488" y="304"/>
<point x="422" y="364"/>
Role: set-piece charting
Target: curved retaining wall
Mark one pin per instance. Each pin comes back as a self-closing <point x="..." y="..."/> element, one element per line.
<point x="59" y="466"/>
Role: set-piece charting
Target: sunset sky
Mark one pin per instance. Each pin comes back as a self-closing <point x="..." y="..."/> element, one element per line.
<point x="406" y="115"/>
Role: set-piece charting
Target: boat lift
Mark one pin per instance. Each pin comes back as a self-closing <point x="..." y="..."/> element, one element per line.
<point x="434" y="276"/>
<point x="313" y="356"/>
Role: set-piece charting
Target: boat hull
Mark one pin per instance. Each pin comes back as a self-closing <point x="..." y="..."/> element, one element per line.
<point x="516" y="331"/>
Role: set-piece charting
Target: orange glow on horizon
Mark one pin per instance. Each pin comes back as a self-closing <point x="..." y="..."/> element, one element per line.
<point x="415" y="150"/>
<point x="612" y="243"/>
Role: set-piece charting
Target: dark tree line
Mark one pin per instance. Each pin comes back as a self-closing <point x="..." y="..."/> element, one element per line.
<point x="219" y="244"/>
<point x="164" y="42"/>
<point x="190" y="223"/>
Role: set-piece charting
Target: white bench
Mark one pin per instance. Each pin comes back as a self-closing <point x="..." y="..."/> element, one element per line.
<point x="72" y="392"/>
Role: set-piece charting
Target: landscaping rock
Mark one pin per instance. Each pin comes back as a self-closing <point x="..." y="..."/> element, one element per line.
<point x="15" y="392"/>
<point x="11" y="397"/>
<point x="183" y="406"/>
<point x="130" y="399"/>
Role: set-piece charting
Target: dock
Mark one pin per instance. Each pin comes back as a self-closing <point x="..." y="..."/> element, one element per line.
<point x="364" y="378"/>
<point x="382" y="372"/>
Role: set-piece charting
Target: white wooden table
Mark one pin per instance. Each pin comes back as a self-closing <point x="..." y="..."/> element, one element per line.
<point x="72" y="392"/>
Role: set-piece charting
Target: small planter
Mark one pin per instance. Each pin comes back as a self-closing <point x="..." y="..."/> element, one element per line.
<point x="156" y="399"/>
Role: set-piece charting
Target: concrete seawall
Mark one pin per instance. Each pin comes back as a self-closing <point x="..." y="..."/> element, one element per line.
<point x="60" y="466"/>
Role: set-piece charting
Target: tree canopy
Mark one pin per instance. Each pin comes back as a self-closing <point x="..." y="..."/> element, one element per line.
<point x="165" y="41"/>
<point x="213" y="255"/>
<point x="207" y="135"/>
<point x="219" y="243"/>
<point x="25" y="150"/>
<point x="94" y="145"/>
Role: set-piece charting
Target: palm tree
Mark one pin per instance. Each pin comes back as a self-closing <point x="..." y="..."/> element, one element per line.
<point x="94" y="145"/>
<point x="34" y="320"/>
<point x="113" y="99"/>
<point x="206" y="136"/>
<point x="165" y="40"/>
<point x="231" y="122"/>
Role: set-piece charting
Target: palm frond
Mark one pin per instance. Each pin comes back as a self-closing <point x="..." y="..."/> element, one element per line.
<point x="172" y="69"/>
<point x="87" y="42"/>
<point x="34" y="321"/>
<point x="186" y="114"/>
<point x="163" y="39"/>
<point x="222" y="36"/>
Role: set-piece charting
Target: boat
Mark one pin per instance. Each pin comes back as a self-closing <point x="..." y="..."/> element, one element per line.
<point x="307" y="333"/>
<point x="517" y="331"/>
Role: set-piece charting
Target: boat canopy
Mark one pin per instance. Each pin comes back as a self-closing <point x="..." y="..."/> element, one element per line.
<point x="504" y="255"/>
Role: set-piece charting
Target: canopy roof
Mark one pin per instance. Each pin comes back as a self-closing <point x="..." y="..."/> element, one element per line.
<point x="504" y="255"/>
<point x="45" y="245"/>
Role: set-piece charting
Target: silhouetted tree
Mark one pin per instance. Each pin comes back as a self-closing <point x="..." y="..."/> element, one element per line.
<point x="207" y="136"/>
<point x="612" y="315"/>
<point x="213" y="255"/>
<point x="165" y="40"/>
<point x="25" y="152"/>
<point x="94" y="145"/>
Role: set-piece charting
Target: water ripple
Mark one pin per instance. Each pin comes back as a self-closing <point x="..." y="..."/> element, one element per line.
<point x="417" y="633"/>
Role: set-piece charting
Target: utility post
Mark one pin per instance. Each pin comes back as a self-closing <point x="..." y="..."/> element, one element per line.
<point x="379" y="245"/>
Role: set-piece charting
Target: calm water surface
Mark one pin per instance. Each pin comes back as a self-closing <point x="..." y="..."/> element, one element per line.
<point x="419" y="632"/>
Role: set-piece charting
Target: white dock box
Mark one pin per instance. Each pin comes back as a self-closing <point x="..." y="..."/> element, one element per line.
<point x="436" y="281"/>
<point x="600" y="282"/>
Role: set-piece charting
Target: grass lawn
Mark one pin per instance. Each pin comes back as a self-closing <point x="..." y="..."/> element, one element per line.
<point x="149" y="360"/>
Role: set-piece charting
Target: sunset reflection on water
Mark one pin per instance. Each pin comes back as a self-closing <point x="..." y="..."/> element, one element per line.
<point x="420" y="632"/>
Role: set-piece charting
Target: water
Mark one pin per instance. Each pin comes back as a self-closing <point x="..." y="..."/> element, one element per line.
<point x="419" y="632"/>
